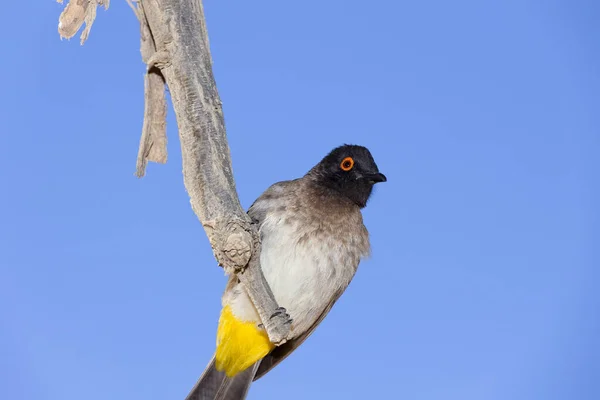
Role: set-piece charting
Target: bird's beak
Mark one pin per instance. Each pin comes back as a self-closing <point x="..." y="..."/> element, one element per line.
<point x="376" y="178"/>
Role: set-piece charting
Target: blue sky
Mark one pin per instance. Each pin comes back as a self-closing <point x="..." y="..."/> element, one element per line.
<point x="483" y="115"/>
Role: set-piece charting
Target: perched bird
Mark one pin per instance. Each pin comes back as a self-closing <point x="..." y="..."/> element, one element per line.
<point x="313" y="239"/>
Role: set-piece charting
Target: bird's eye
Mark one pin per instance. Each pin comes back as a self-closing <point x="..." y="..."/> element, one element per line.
<point x="347" y="164"/>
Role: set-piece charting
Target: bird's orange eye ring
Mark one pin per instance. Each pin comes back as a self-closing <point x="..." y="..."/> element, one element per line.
<point x="347" y="164"/>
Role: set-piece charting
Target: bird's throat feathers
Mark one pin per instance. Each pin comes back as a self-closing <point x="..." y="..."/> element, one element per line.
<point x="239" y="343"/>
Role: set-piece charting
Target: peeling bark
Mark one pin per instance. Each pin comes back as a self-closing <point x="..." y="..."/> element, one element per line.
<point x="153" y="143"/>
<point x="75" y="14"/>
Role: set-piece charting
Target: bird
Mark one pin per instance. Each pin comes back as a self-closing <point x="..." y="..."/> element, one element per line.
<point x="313" y="239"/>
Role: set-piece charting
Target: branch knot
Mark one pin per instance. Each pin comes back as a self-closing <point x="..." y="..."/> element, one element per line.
<point x="238" y="249"/>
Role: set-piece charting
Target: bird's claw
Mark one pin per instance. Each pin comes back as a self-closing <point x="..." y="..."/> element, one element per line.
<point x="278" y="326"/>
<point x="279" y="311"/>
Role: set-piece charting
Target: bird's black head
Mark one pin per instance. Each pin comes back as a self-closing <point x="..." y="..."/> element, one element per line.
<point x="351" y="171"/>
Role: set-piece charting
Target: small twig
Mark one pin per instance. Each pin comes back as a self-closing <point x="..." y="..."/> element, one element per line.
<point x="134" y="8"/>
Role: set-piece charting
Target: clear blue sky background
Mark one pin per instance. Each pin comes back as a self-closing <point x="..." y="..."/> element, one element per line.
<point x="484" y="116"/>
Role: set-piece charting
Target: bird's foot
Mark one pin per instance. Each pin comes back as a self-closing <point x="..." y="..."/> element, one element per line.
<point x="281" y="311"/>
<point x="278" y="326"/>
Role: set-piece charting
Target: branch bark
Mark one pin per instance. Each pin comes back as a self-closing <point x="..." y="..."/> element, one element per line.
<point x="175" y="47"/>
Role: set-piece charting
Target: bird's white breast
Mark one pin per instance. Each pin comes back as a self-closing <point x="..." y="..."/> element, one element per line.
<point x="304" y="269"/>
<point x="304" y="266"/>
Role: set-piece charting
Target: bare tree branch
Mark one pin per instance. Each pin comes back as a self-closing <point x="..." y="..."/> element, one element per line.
<point x="183" y="56"/>
<point x="175" y="47"/>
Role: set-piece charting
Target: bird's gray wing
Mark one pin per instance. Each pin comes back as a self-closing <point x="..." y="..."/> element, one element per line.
<point x="281" y="352"/>
<point x="272" y="198"/>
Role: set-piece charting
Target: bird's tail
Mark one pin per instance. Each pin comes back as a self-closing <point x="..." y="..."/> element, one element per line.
<point x="215" y="385"/>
